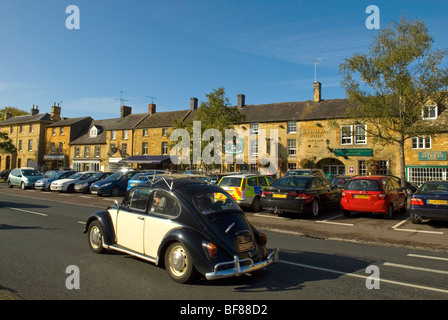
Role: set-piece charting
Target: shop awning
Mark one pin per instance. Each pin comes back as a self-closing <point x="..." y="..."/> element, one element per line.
<point x="146" y="159"/>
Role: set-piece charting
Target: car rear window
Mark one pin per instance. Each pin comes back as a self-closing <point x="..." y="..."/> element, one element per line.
<point x="291" y="182"/>
<point x="212" y="202"/>
<point x="363" y="185"/>
<point x="435" y="187"/>
<point x="230" y="182"/>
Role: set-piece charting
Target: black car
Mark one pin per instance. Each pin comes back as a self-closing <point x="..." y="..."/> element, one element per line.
<point x="410" y="188"/>
<point x="340" y="181"/>
<point x="4" y="174"/>
<point x="84" y="186"/>
<point x="430" y="201"/>
<point x="300" y="194"/>
<point x="189" y="226"/>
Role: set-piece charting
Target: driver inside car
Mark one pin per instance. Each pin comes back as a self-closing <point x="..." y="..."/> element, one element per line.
<point x="158" y="203"/>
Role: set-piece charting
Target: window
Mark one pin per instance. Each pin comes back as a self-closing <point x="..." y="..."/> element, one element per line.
<point x="20" y="145"/>
<point x="254" y="147"/>
<point x="60" y="150"/>
<point x="164" y="132"/>
<point x="137" y="199"/>
<point x="53" y="131"/>
<point x="31" y="128"/>
<point x="30" y="145"/>
<point x="77" y="152"/>
<point x="87" y="151"/>
<point x="165" y="204"/>
<point x="145" y="148"/>
<point x="292" y="148"/>
<point x="292" y="165"/>
<point x="113" y="135"/>
<point x="93" y="132"/>
<point x="164" y="147"/>
<point x="124" y="149"/>
<point x="421" y="143"/>
<point x="61" y="131"/>
<point x="429" y="112"/>
<point x="11" y="129"/>
<point x="292" y="127"/>
<point x="97" y="152"/>
<point x="125" y="134"/>
<point x="353" y="134"/>
<point x="145" y="132"/>
<point x="21" y="128"/>
<point x="254" y="128"/>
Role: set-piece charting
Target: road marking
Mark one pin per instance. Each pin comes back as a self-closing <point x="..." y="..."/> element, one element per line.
<point x="404" y="284"/>
<point x="403" y="266"/>
<point x="81" y="222"/>
<point x="427" y="257"/>
<point x="332" y="222"/>
<point x="268" y="216"/>
<point x="395" y="227"/>
<point x="27" y="211"/>
<point x="88" y="197"/>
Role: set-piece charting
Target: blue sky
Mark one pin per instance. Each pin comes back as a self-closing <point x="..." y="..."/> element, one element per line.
<point x="177" y="49"/>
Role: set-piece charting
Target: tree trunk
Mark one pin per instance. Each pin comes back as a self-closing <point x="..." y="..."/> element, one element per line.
<point x="402" y="162"/>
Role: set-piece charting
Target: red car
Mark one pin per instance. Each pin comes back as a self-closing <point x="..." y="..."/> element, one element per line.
<point x="376" y="194"/>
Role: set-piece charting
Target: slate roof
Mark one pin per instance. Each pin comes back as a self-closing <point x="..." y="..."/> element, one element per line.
<point x="27" y="118"/>
<point x="128" y="122"/>
<point x="162" y="119"/>
<point x="102" y="126"/>
<point x="68" y="122"/>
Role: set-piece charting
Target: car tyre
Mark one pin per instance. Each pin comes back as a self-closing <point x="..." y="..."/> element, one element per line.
<point x="315" y="208"/>
<point x="390" y="212"/>
<point x="179" y="263"/>
<point x="256" y="205"/>
<point x="96" y="237"/>
<point x="9" y="184"/>
<point x="414" y="219"/>
<point x="115" y="192"/>
<point x="409" y="191"/>
<point x="22" y="186"/>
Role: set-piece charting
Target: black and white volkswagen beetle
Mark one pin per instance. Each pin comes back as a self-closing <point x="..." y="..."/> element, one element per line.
<point x="189" y="226"/>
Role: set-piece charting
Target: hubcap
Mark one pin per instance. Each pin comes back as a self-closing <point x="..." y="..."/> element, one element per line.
<point x="95" y="237"/>
<point x="178" y="261"/>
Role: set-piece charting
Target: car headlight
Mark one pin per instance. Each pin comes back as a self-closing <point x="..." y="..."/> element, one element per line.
<point x="106" y="184"/>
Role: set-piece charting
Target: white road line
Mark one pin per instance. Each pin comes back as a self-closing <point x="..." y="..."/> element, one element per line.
<point x="88" y="197"/>
<point x="337" y="223"/>
<point x="404" y="284"/>
<point x="27" y="211"/>
<point x="81" y="222"/>
<point x="267" y="216"/>
<point x="427" y="257"/>
<point x="395" y="227"/>
<point x="403" y="266"/>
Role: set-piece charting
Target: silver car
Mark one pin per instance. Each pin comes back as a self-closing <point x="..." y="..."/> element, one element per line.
<point x="23" y="177"/>
<point x="68" y="184"/>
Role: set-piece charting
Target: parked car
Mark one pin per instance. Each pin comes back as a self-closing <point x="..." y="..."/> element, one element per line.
<point x="50" y="176"/>
<point x="142" y="176"/>
<point x="340" y="181"/>
<point x="300" y="194"/>
<point x="84" y="186"/>
<point x="245" y="189"/>
<point x="181" y="224"/>
<point x="113" y="185"/>
<point x="68" y="184"/>
<point x="306" y="172"/>
<point x="376" y="194"/>
<point x="430" y="201"/>
<point x="23" y="177"/>
<point x="410" y="188"/>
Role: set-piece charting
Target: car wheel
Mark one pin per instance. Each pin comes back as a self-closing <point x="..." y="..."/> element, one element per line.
<point x="179" y="263"/>
<point x="414" y="218"/>
<point x="115" y="192"/>
<point x="71" y="188"/>
<point x="22" y="186"/>
<point x="409" y="191"/>
<point x="9" y="184"/>
<point x="390" y="212"/>
<point x="96" y="237"/>
<point x="256" y="205"/>
<point x="315" y="208"/>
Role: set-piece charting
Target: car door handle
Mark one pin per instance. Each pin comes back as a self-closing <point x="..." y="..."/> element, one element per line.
<point x="141" y="218"/>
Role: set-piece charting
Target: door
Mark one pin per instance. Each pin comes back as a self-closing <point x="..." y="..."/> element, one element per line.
<point x="131" y="220"/>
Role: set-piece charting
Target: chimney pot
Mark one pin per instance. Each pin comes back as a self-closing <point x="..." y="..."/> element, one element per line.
<point x="151" y="108"/>
<point x="34" y="111"/>
<point x="241" y="100"/>
<point x="125" y="111"/>
<point x="55" y="112"/>
<point x="317" y="91"/>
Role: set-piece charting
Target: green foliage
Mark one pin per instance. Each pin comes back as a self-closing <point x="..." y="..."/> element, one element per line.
<point x="14" y="111"/>
<point x="6" y="143"/>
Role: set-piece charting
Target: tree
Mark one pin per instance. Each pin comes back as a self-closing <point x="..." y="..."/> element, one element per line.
<point x="6" y="143"/>
<point x="390" y="86"/>
<point x="215" y="113"/>
<point x="13" y="110"/>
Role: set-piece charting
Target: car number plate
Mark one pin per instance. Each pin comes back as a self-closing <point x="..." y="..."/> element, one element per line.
<point x="94" y="192"/>
<point x="361" y="196"/>
<point x="277" y="195"/>
<point x="436" y="202"/>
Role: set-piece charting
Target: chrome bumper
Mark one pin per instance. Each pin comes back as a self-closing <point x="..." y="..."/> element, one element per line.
<point x="238" y="269"/>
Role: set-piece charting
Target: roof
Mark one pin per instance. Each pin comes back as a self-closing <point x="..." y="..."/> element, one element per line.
<point x="163" y="119"/>
<point x="102" y="126"/>
<point x="68" y="122"/>
<point x="128" y="122"/>
<point x="27" y="118"/>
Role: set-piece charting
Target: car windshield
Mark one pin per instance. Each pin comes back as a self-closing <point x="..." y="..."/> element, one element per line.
<point x="114" y="176"/>
<point x="298" y="173"/>
<point x="213" y="202"/>
<point x="435" y="187"/>
<point x="230" y="182"/>
<point x="363" y="185"/>
<point x="292" y="182"/>
<point x="31" y="173"/>
<point x="97" y="175"/>
<point x="76" y="175"/>
<point x="50" y="174"/>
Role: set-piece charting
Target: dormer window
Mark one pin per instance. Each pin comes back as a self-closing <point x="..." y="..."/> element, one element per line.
<point x="429" y="112"/>
<point x="93" y="132"/>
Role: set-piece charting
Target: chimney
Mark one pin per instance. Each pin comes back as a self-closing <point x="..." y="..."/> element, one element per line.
<point x="151" y="108"/>
<point x="8" y="115"/>
<point x="56" y="112"/>
<point x="125" y="111"/>
<point x="193" y="103"/>
<point x="241" y="100"/>
<point x="317" y="91"/>
<point x="35" y="110"/>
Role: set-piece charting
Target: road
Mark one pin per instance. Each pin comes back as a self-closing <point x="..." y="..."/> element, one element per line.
<point x="41" y="239"/>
